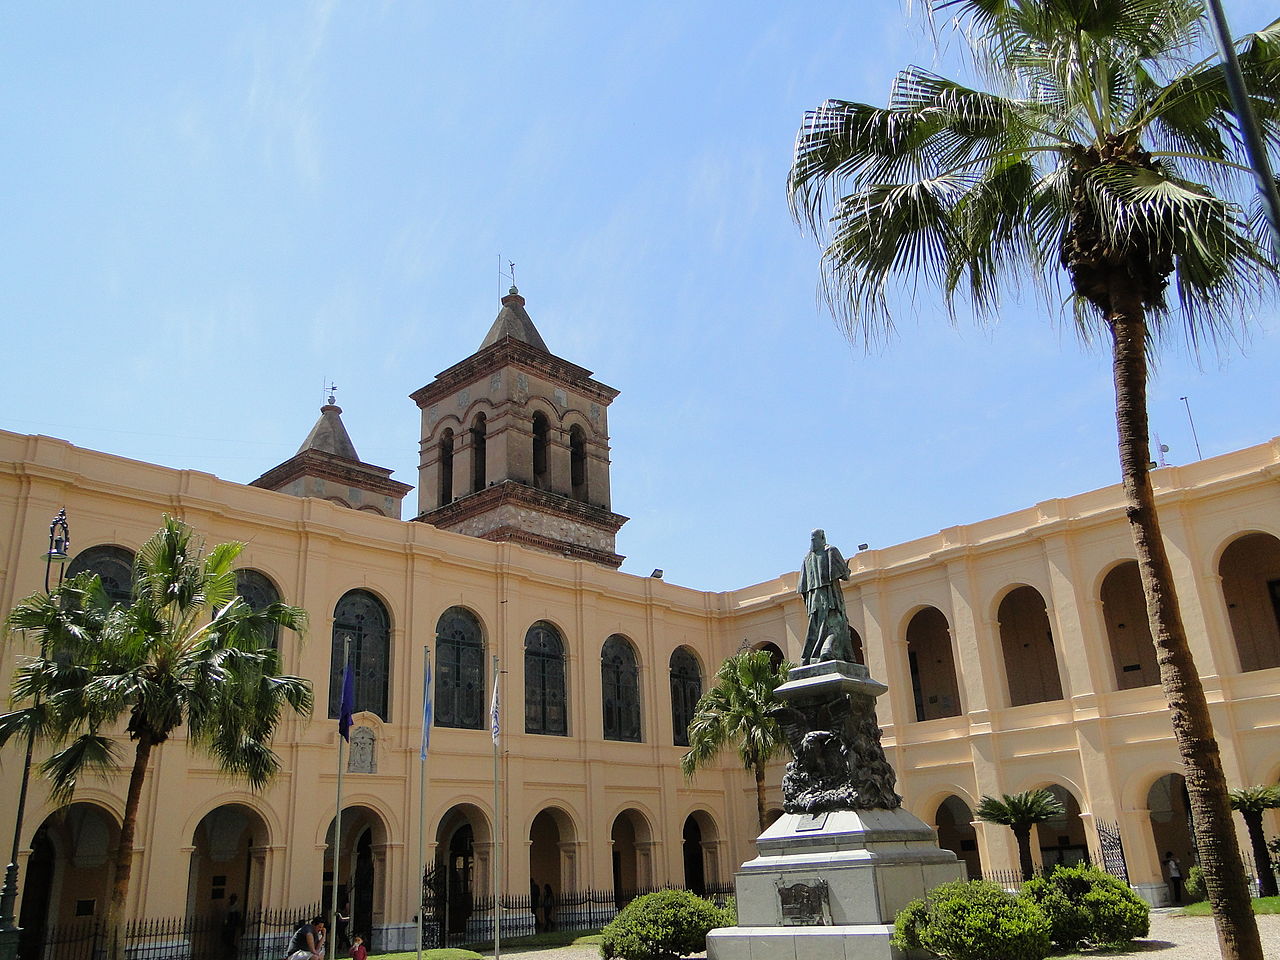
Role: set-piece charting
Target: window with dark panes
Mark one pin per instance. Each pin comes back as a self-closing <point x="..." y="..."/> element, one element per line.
<point x="620" y="690"/>
<point x="113" y="565"/>
<point x="686" y="691"/>
<point x="361" y="616"/>
<point x="259" y="593"/>
<point x="459" y="671"/>
<point x="544" y="695"/>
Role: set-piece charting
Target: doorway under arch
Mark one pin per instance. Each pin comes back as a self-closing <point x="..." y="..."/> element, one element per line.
<point x="956" y="833"/>
<point x="1062" y="840"/>
<point x="1169" y="812"/>
<point x="69" y="872"/>
<point x="461" y="873"/>
<point x="358" y="874"/>
<point x="551" y="839"/>
<point x="629" y="837"/>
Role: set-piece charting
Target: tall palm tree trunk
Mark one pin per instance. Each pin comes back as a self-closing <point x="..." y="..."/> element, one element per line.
<point x="1216" y="843"/>
<point x="124" y="854"/>
<point x="759" y="770"/>
<point x="1261" y="857"/>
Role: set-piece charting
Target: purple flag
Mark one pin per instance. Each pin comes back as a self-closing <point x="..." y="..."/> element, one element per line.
<point x="348" y="702"/>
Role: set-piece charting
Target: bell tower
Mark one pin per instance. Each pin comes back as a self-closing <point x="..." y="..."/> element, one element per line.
<point x="515" y="446"/>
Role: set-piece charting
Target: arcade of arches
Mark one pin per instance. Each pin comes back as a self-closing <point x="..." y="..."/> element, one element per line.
<point x="1015" y="650"/>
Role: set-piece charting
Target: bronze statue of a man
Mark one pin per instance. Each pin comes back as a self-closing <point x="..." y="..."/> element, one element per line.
<point x="820" y="575"/>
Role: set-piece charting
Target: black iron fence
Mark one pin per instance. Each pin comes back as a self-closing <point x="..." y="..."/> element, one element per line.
<point x="451" y="920"/>
<point x="263" y="935"/>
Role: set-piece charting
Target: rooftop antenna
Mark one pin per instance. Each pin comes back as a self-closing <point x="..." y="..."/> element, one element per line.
<point x="330" y="390"/>
<point x="1187" y="403"/>
<point x="1161" y="450"/>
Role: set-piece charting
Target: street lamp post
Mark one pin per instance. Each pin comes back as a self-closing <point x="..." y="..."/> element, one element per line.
<point x="57" y="554"/>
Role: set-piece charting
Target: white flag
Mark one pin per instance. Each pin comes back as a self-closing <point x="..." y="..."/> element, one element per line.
<point x="493" y="711"/>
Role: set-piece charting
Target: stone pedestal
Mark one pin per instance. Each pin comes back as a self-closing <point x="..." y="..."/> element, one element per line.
<point x="835" y="869"/>
<point x="855" y="870"/>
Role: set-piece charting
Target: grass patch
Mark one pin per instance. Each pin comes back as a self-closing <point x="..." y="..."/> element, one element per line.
<point x="539" y="941"/>
<point x="1261" y="905"/>
<point x="476" y="951"/>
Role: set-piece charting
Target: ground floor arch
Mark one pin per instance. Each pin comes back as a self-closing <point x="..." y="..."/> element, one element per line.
<point x="225" y="876"/>
<point x="462" y="865"/>
<point x="956" y="832"/>
<point x="630" y="840"/>
<point x="359" y="871"/>
<point x="1169" y="813"/>
<point x="553" y="851"/>
<point x="1062" y="840"/>
<point x="700" y="842"/>
<point x="69" y="871"/>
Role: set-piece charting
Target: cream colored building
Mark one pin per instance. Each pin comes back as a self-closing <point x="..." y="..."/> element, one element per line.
<point x="1015" y="650"/>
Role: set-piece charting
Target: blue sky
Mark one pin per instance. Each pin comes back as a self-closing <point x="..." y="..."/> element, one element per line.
<point x="209" y="209"/>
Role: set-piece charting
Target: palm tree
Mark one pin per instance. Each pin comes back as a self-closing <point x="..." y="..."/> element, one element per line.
<point x="736" y="711"/>
<point x="185" y="651"/>
<point x="1253" y="802"/>
<point x="1110" y="161"/>
<point x="1020" y="812"/>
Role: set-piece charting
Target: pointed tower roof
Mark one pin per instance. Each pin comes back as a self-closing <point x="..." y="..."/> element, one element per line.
<point x="513" y="321"/>
<point x="330" y="436"/>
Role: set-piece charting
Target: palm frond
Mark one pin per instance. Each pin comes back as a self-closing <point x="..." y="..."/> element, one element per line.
<point x="88" y="753"/>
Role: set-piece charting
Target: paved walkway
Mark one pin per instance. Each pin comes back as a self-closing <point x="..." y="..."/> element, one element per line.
<point x="1172" y="937"/>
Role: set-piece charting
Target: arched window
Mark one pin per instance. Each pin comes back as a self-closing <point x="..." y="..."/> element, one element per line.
<point x="578" y="462"/>
<point x="620" y="690"/>
<point x="446" y="467"/>
<point x="113" y="565"/>
<point x="362" y="617"/>
<point x="544" y="699"/>
<point x="1030" y="664"/>
<point x="478" y="426"/>
<point x="459" y="671"/>
<point x="686" y="691"/>
<point x="1250" y="575"/>
<point x="1129" y="633"/>
<point x="933" y="668"/>
<point x="541" y="429"/>
<point x="258" y="592"/>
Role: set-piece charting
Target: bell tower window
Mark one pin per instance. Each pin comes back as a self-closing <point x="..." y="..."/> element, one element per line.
<point x="540" y="431"/>
<point x="478" y="453"/>
<point x="446" y="467"/>
<point x="578" y="462"/>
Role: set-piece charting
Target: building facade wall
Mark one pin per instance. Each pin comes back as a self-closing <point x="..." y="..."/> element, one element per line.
<point x="1105" y="746"/>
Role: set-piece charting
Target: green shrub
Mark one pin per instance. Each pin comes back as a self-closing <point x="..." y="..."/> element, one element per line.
<point x="1195" y="884"/>
<point x="973" y="920"/>
<point x="662" y="926"/>
<point x="1088" y="906"/>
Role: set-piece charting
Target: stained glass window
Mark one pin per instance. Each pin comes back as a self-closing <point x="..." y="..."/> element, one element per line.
<point x="620" y="690"/>
<point x="544" y="697"/>
<point x="259" y="593"/>
<point x="686" y="691"/>
<point x="459" y="671"/>
<point x="114" y="565"/>
<point x="362" y="617"/>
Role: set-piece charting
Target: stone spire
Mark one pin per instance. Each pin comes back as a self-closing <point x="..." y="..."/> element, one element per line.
<point x="329" y="435"/>
<point x="327" y="466"/>
<point x="513" y="321"/>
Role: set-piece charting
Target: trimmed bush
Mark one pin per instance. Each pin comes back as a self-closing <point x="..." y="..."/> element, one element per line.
<point x="973" y="920"/>
<point x="1194" y="885"/>
<point x="1087" y="906"/>
<point x="665" y="925"/>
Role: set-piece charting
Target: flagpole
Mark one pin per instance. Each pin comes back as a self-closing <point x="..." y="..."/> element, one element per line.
<point x="331" y="938"/>
<point x="422" y="786"/>
<point x="495" y="867"/>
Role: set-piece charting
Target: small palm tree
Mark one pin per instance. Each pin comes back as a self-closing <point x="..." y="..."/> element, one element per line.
<point x="186" y="651"/>
<point x="1253" y="802"/>
<point x="1020" y="812"/>
<point x="735" y="711"/>
<point x="1107" y="166"/>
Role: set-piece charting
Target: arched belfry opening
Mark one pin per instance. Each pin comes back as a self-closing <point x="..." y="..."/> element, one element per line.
<point x="539" y="466"/>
